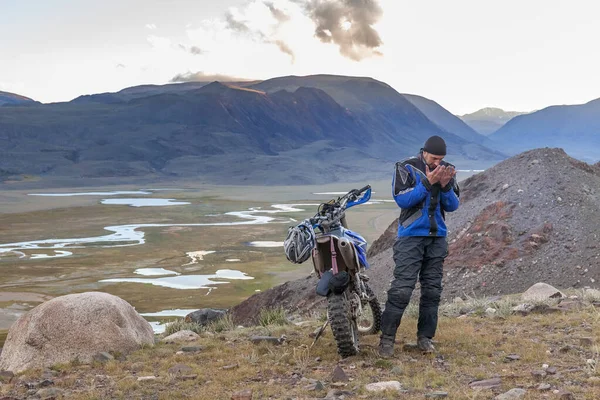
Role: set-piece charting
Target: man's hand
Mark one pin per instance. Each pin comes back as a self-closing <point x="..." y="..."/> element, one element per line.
<point x="435" y="176"/>
<point x="447" y="176"/>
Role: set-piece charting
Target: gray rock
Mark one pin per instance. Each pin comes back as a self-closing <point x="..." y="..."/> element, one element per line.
<point x="205" y="316"/>
<point x="523" y="309"/>
<point x="512" y="357"/>
<point x="486" y="383"/>
<point x="538" y="374"/>
<point x="180" y="369"/>
<point x="436" y="395"/>
<point x="46" y="383"/>
<point x="338" y="375"/>
<point x="49" y="393"/>
<point x="381" y="386"/>
<point x="181" y="337"/>
<point x="229" y="367"/>
<point x="542" y="291"/>
<point x="75" y="326"/>
<point x="543" y="386"/>
<point x="316" y="386"/>
<point x="512" y="394"/>
<point x="586" y="341"/>
<point x="551" y="370"/>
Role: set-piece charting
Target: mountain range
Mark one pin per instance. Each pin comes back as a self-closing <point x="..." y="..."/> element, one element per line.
<point x="288" y="130"/>
<point x="285" y="130"/>
<point x="488" y="120"/>
<point x="575" y="128"/>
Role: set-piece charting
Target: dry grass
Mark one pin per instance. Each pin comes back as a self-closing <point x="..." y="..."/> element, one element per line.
<point x="272" y="316"/>
<point x="470" y="348"/>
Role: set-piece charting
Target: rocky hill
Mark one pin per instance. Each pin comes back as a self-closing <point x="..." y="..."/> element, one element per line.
<point x="575" y="128"/>
<point x="531" y="218"/>
<point x="488" y="120"/>
<point x="335" y="127"/>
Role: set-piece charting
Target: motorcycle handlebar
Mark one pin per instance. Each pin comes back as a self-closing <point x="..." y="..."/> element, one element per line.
<point x="364" y="189"/>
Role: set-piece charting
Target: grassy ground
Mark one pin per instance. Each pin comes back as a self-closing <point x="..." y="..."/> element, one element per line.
<point x="470" y="348"/>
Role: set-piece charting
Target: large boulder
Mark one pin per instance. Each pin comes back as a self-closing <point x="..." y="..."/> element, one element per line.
<point x="74" y="327"/>
<point x="542" y="291"/>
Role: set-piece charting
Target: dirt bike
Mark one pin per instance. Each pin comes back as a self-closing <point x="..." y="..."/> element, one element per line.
<point x="339" y="259"/>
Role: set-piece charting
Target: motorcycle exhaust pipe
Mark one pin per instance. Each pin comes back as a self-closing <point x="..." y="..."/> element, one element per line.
<point x="347" y="251"/>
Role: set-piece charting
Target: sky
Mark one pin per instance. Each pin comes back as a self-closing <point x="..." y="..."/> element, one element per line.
<point x="463" y="54"/>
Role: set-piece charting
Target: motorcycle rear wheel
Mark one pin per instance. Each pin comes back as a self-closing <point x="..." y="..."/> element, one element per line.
<point x="369" y="322"/>
<point x="343" y="326"/>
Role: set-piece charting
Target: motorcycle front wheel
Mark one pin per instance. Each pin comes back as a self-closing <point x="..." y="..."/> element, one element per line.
<point x="343" y="326"/>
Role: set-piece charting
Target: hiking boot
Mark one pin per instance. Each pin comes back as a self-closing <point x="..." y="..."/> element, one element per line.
<point x="424" y="344"/>
<point x="386" y="346"/>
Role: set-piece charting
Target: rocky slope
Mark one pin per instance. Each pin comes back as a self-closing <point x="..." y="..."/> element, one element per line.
<point x="531" y="218"/>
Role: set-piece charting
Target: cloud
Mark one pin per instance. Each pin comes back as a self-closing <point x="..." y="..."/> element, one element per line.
<point x="236" y="25"/>
<point x="200" y="76"/>
<point x="285" y="49"/>
<point x="347" y="23"/>
<point x="196" y="50"/>
<point x="260" y="34"/>
<point x="278" y="14"/>
<point x="151" y="26"/>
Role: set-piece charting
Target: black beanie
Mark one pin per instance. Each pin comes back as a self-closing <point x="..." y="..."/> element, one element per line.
<point x="435" y="145"/>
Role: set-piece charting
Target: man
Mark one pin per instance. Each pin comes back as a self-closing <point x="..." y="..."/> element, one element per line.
<point x="424" y="187"/>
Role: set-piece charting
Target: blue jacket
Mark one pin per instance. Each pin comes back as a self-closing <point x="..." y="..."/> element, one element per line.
<point x="423" y="205"/>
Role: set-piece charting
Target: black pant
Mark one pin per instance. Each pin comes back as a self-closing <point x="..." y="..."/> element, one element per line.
<point x="422" y="257"/>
